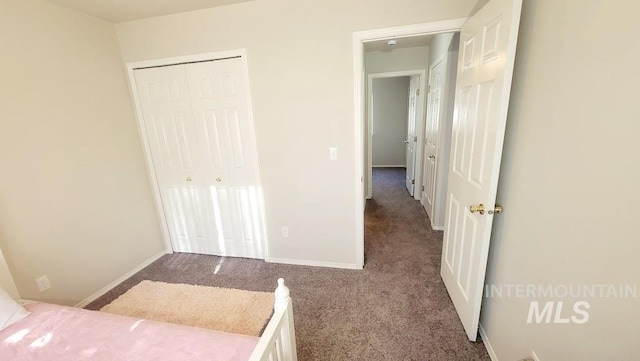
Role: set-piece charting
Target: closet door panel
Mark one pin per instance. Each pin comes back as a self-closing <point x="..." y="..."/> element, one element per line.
<point x="221" y="112"/>
<point x="165" y="99"/>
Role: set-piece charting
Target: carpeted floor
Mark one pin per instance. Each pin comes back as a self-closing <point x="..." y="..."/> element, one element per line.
<point x="397" y="308"/>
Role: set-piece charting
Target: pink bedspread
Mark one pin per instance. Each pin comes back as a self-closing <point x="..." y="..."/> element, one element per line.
<point x="54" y="333"/>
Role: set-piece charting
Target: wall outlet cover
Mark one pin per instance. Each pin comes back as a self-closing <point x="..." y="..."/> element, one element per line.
<point x="43" y="283"/>
<point x="333" y="153"/>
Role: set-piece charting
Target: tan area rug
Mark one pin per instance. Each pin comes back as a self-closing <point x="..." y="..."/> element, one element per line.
<point x="222" y="309"/>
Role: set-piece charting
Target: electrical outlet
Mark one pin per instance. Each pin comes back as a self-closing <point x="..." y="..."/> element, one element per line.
<point x="43" y="283"/>
<point x="285" y="232"/>
<point x="333" y="153"/>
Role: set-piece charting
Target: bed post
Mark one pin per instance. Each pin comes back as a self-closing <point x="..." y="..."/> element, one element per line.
<point x="278" y="341"/>
<point x="283" y="303"/>
<point x="282" y="296"/>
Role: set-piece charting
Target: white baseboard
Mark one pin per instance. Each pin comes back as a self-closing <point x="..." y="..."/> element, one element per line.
<point x="487" y="344"/>
<point x="118" y="281"/>
<point x="302" y="262"/>
<point x="436" y="228"/>
<point x="389" y="166"/>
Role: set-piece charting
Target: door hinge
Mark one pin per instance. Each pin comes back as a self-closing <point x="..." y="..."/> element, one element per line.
<point x="417" y="91"/>
<point x="429" y="89"/>
<point x="423" y="188"/>
<point x="413" y="181"/>
<point x="415" y="139"/>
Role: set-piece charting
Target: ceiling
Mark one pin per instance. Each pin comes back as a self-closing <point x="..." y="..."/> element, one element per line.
<point x="117" y="11"/>
<point x="381" y="45"/>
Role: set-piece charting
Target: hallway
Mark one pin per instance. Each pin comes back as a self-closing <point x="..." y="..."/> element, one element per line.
<point x="401" y="245"/>
<point x="395" y="309"/>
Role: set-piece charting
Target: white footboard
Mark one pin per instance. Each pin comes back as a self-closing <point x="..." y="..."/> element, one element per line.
<point x="278" y="341"/>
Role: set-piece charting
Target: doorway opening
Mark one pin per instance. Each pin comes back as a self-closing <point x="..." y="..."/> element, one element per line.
<point x="395" y="108"/>
<point x="410" y="90"/>
<point x="378" y="38"/>
<point x="420" y="142"/>
<point x="427" y="128"/>
<point x="488" y="41"/>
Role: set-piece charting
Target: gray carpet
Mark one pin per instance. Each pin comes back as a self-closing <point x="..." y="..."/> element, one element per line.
<point x="397" y="308"/>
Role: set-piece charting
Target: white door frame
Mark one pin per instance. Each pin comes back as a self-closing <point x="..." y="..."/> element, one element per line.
<point x="419" y="122"/>
<point x="130" y="67"/>
<point x="359" y="38"/>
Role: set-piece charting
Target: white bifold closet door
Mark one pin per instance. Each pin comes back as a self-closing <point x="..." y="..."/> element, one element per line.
<point x="197" y="121"/>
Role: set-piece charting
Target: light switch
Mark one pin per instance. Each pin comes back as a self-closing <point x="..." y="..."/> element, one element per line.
<point x="333" y="153"/>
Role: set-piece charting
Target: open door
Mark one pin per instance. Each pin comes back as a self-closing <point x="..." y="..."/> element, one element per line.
<point x="411" y="140"/>
<point x="485" y="68"/>
<point x="432" y="135"/>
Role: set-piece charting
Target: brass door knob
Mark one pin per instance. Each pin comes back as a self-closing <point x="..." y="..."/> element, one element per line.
<point x="431" y="156"/>
<point x="406" y="142"/>
<point x="479" y="208"/>
<point x="219" y="179"/>
<point x="188" y="179"/>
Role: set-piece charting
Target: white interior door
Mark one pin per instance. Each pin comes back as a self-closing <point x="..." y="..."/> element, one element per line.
<point x="198" y="126"/>
<point x="411" y="140"/>
<point x="431" y="136"/>
<point x="485" y="68"/>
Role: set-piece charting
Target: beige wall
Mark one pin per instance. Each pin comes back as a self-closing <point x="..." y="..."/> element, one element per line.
<point x="75" y="201"/>
<point x="441" y="44"/>
<point x="414" y="58"/>
<point x="569" y="180"/>
<point x="301" y="72"/>
<point x="390" y="114"/>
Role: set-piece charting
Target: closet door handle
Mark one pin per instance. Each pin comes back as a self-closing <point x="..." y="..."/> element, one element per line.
<point x="188" y="179"/>
<point x="219" y="179"/>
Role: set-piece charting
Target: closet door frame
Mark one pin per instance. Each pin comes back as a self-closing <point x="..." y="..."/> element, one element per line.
<point x="142" y="131"/>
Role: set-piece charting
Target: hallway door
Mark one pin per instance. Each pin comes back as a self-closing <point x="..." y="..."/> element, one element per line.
<point x="432" y="134"/>
<point x="485" y="69"/>
<point x="411" y="140"/>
